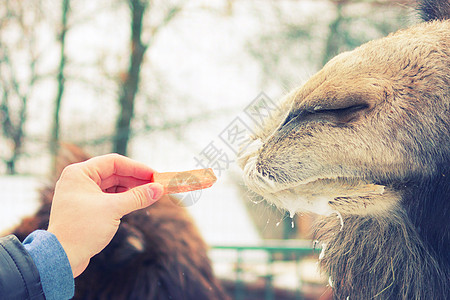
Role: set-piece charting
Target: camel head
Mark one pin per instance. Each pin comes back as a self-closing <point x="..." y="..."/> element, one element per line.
<point x="350" y="138"/>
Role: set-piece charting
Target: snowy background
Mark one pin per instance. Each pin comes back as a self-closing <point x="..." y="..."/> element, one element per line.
<point x="199" y="73"/>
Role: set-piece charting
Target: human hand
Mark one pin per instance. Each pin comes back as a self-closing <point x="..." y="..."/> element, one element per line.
<point x="90" y="199"/>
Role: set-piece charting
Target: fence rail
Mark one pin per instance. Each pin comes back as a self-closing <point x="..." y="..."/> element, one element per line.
<point x="248" y="258"/>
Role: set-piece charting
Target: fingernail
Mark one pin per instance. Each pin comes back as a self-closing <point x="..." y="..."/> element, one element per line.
<point x="150" y="192"/>
<point x="156" y="192"/>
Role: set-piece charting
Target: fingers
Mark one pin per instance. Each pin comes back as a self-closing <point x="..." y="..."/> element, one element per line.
<point x="138" y="197"/>
<point x="126" y="179"/>
<point x="121" y="181"/>
<point x="116" y="189"/>
<point x="101" y="167"/>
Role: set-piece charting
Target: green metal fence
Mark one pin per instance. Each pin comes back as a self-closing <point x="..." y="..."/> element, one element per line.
<point x="275" y="250"/>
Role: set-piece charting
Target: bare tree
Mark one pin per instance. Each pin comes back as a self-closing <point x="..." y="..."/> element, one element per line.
<point x="341" y="35"/>
<point x="15" y="88"/>
<point x="298" y="42"/>
<point x="333" y="42"/>
<point x="130" y="82"/>
<point x="60" y="77"/>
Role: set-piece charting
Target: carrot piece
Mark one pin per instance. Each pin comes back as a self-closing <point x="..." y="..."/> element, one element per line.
<point x="181" y="182"/>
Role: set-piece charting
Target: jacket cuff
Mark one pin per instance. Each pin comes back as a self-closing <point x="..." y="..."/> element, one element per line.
<point x="52" y="263"/>
<point x="19" y="277"/>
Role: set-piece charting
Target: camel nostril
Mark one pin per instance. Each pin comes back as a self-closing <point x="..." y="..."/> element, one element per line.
<point x="260" y="168"/>
<point x="264" y="172"/>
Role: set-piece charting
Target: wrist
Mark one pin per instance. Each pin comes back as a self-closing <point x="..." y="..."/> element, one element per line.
<point x="77" y="264"/>
<point x="52" y="263"/>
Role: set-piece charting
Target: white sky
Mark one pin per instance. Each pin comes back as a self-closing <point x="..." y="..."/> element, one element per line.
<point x="204" y="65"/>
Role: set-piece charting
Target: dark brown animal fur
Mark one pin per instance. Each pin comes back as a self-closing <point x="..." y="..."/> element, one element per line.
<point x="157" y="253"/>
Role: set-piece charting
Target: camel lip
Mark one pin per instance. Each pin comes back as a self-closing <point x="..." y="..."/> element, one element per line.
<point x="354" y="183"/>
<point x="255" y="180"/>
<point x="265" y="185"/>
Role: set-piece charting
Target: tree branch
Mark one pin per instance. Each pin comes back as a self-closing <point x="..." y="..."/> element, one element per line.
<point x="54" y="140"/>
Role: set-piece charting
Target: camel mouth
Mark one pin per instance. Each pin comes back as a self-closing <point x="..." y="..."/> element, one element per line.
<point x="325" y="196"/>
<point x="247" y="160"/>
<point x="326" y="186"/>
<point x="313" y="194"/>
<point x="262" y="185"/>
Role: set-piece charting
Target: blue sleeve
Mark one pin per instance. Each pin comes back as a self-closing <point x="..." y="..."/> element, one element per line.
<point x="52" y="263"/>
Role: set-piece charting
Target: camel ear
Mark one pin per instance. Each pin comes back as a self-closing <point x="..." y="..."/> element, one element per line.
<point x="126" y="245"/>
<point x="431" y="10"/>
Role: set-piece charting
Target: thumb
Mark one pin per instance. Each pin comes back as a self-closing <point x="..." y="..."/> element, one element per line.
<point x="139" y="197"/>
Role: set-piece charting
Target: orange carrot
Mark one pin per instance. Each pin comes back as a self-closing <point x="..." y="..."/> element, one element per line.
<point x="180" y="182"/>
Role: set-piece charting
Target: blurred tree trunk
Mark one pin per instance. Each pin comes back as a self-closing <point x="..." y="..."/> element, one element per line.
<point x="14" y="92"/>
<point x="130" y="83"/>
<point x="15" y="132"/>
<point x="54" y="137"/>
<point x="333" y="40"/>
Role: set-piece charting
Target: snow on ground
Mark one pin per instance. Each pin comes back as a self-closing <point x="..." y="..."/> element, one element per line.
<point x="222" y="217"/>
<point x="18" y="198"/>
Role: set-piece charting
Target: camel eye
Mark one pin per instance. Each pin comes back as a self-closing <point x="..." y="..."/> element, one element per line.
<point x="325" y="115"/>
<point x="295" y="117"/>
<point x="339" y="113"/>
<point x="290" y="117"/>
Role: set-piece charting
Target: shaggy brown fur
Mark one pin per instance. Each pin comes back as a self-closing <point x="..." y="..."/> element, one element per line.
<point x="367" y="141"/>
<point x="157" y="253"/>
